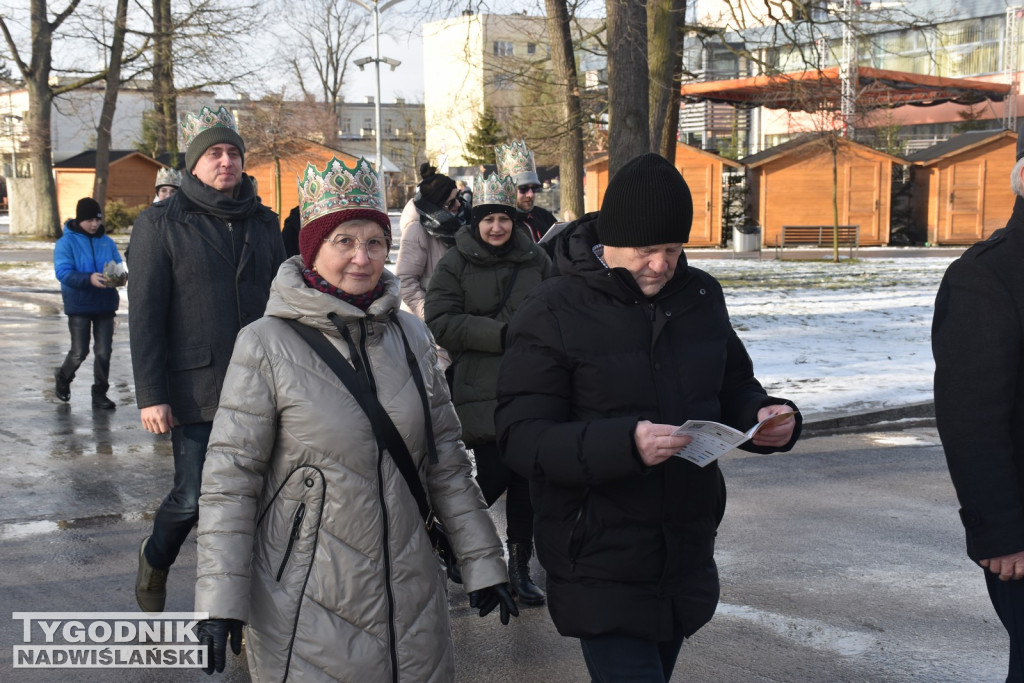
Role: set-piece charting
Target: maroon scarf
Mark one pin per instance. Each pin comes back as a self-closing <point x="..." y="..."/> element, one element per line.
<point x="360" y="301"/>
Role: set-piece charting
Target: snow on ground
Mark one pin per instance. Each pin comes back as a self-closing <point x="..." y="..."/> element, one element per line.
<point x="836" y="337"/>
<point x="833" y="337"/>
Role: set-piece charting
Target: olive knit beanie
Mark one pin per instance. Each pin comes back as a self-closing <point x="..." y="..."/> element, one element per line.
<point x="647" y="202"/>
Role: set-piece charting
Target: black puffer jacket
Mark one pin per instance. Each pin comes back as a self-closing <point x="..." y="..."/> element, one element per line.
<point x="628" y="549"/>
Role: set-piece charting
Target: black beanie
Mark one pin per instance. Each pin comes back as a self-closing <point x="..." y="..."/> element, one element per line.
<point x="435" y="187"/>
<point x="1020" y="142"/>
<point x="215" y="135"/>
<point x="87" y="208"/>
<point x="647" y="202"/>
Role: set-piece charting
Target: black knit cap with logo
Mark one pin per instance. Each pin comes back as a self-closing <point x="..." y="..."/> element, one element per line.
<point x="87" y="209"/>
<point x="647" y="202"/>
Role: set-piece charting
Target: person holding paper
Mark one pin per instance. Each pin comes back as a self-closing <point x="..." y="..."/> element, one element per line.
<point x="601" y="366"/>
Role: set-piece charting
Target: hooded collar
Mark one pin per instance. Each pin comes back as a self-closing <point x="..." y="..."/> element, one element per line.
<point x="291" y="297"/>
<point x="72" y="226"/>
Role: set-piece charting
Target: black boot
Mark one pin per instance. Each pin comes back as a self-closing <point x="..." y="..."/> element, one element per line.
<point x="519" y="574"/>
<point x="61" y="386"/>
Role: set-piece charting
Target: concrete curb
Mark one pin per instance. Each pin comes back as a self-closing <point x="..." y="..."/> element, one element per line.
<point x="899" y="417"/>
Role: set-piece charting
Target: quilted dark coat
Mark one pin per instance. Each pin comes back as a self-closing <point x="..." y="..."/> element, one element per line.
<point x="628" y="548"/>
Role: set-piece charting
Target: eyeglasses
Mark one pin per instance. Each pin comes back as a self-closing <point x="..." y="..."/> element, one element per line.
<point x="453" y="203"/>
<point x="527" y="189"/>
<point x="376" y="247"/>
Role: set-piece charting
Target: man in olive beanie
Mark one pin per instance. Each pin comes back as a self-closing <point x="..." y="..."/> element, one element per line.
<point x="202" y="263"/>
<point x="601" y="367"/>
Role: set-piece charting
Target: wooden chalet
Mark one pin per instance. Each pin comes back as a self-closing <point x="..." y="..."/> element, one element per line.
<point x="791" y="184"/>
<point x="130" y="179"/>
<point x="961" y="187"/>
<point x="703" y="172"/>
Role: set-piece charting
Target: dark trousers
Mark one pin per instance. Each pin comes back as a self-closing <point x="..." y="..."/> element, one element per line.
<point x="615" y="658"/>
<point x="494" y="479"/>
<point x="102" y="327"/>
<point x="180" y="510"/>
<point x="1008" y="599"/>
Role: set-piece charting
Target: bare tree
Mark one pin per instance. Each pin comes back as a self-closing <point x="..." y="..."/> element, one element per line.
<point x="628" y="103"/>
<point x="113" y="85"/>
<point x="36" y="73"/>
<point x="570" y="167"/>
<point x="328" y="32"/>
<point x="198" y="44"/>
<point x="665" y="24"/>
<point x="272" y="131"/>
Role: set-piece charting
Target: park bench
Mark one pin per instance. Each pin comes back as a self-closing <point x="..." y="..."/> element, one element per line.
<point x="817" y="236"/>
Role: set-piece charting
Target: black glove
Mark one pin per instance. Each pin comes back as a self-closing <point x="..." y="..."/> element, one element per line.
<point x="499" y="595"/>
<point x="213" y="634"/>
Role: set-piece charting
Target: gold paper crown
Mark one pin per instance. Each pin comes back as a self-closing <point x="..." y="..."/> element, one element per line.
<point x="168" y="176"/>
<point x="495" y="190"/>
<point x="338" y="187"/>
<point x="194" y="124"/>
<point x="517" y="161"/>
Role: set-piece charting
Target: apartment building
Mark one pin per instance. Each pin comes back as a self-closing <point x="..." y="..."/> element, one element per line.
<point x="473" y="60"/>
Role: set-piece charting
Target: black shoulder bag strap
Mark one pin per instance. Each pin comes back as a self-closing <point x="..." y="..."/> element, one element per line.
<point x="383" y="427"/>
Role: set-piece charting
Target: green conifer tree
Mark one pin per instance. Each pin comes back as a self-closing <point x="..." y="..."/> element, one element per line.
<point x="486" y="134"/>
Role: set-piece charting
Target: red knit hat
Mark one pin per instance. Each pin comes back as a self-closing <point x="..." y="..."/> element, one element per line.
<point x="312" y="234"/>
<point x="335" y="195"/>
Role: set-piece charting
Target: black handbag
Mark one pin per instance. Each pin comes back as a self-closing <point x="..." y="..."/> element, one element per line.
<point x="386" y="432"/>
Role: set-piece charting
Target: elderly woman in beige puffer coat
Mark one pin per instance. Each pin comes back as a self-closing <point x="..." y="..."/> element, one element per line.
<point x="308" y="533"/>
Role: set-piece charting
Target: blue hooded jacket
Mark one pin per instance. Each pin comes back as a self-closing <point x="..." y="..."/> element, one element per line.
<point x="77" y="256"/>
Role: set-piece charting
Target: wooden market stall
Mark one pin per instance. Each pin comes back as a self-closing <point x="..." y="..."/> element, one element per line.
<point x="130" y="179"/>
<point x="791" y="184"/>
<point x="961" y="187"/>
<point x="703" y="172"/>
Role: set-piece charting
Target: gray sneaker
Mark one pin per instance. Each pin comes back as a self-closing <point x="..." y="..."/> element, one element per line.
<point x="150" y="584"/>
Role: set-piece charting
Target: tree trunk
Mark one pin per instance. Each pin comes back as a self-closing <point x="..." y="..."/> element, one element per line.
<point x="40" y="98"/>
<point x="103" y="131"/>
<point x="665" y="20"/>
<point x="165" y="97"/>
<point x="628" y="105"/>
<point x="570" y="166"/>
<point x="834" y="146"/>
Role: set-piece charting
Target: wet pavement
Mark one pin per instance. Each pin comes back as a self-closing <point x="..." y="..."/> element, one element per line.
<point x="841" y="561"/>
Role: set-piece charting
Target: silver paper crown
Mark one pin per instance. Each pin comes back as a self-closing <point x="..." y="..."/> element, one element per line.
<point x="194" y="124"/>
<point x="168" y="176"/>
<point x="516" y="160"/>
<point x="338" y="187"/>
<point x="495" y="190"/>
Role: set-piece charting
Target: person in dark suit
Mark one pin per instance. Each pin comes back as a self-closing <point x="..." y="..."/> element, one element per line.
<point x="977" y="337"/>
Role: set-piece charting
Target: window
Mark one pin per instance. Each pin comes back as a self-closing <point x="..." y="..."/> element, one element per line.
<point x="531" y="48"/>
<point x="346" y="125"/>
<point x="502" y="48"/>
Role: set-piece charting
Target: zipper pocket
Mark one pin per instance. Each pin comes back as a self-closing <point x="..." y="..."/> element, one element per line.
<point x="576" y="541"/>
<point x="296" y="524"/>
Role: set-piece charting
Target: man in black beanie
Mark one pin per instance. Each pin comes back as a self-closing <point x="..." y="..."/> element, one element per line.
<point x="202" y="262"/>
<point x="600" y="368"/>
<point x="977" y="337"/>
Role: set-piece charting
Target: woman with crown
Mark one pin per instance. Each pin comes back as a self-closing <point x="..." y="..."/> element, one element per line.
<point x="475" y="290"/>
<point x="310" y="534"/>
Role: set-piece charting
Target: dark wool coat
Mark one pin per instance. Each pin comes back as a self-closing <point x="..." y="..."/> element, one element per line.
<point x="465" y="290"/>
<point x="977" y="340"/>
<point x="628" y="548"/>
<point x="189" y="299"/>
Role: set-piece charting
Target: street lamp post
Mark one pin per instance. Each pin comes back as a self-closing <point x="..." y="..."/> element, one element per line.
<point x="375" y="7"/>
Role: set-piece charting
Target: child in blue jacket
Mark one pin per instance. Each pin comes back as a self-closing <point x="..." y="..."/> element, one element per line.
<point x="89" y="300"/>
